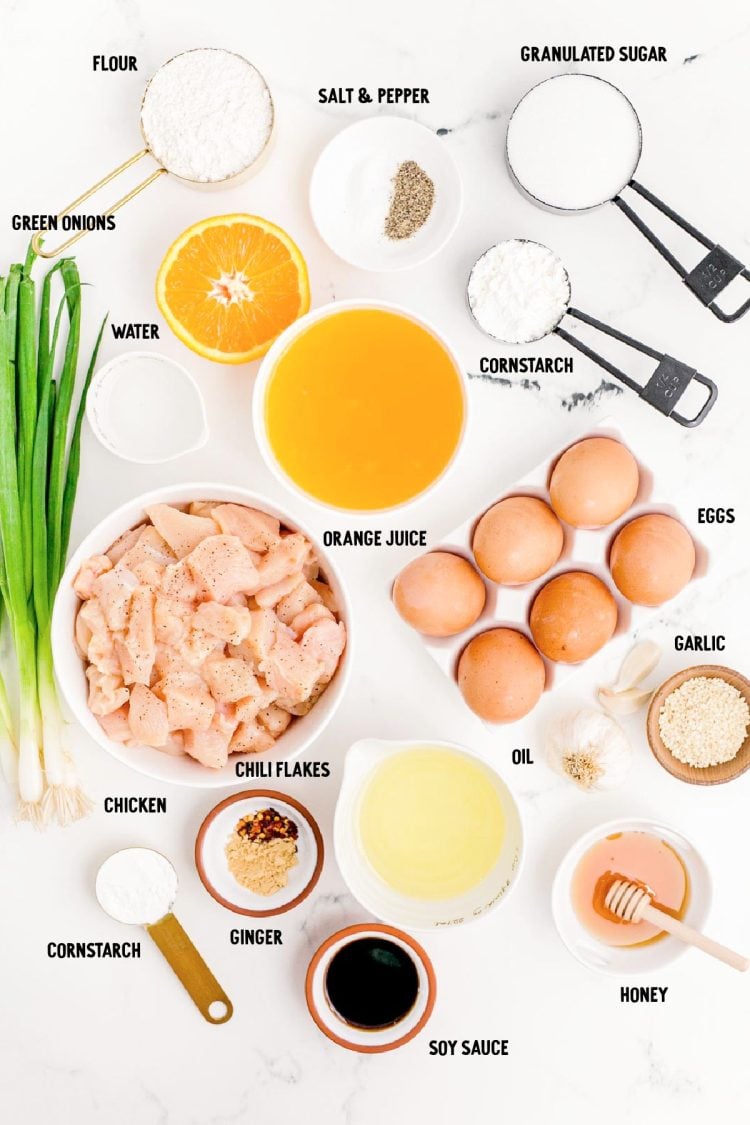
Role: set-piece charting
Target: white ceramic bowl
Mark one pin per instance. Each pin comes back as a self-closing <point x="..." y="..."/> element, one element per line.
<point x="266" y="369"/>
<point x="616" y="960"/>
<point x="373" y="892"/>
<point x="69" y="668"/>
<point x="351" y="187"/>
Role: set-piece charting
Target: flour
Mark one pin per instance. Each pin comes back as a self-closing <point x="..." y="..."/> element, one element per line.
<point x="574" y="142"/>
<point x="518" y="291"/>
<point x="136" y="885"/>
<point x="207" y="115"/>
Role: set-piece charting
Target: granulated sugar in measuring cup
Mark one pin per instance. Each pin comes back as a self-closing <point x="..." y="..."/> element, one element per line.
<point x="519" y="292"/>
<point x="206" y="117"/>
<point x="138" y="886"/>
<point x="574" y="142"/>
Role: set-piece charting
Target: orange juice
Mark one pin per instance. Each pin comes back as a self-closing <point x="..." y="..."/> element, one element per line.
<point x="364" y="409"/>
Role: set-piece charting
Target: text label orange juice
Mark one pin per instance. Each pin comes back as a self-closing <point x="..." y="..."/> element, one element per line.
<point x="364" y="409"/>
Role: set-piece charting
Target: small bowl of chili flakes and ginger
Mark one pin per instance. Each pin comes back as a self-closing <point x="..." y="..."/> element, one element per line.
<point x="259" y="853"/>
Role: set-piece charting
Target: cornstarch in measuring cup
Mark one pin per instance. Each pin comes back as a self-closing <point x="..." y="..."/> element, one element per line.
<point x="573" y="142"/>
<point x="518" y="291"/>
<point x="137" y="886"/>
<point x="207" y="115"/>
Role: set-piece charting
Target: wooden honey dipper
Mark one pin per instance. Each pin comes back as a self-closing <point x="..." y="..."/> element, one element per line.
<point x="631" y="901"/>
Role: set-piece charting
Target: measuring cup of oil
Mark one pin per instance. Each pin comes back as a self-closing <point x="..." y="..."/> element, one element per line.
<point x="206" y="117"/>
<point x="574" y="143"/>
<point x="519" y="292"/>
<point x="138" y="886"/>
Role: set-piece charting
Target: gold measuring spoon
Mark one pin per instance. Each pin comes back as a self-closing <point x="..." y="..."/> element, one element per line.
<point x="138" y="886"/>
<point x="151" y="149"/>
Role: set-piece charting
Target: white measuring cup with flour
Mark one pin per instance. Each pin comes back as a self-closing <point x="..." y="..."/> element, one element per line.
<point x="574" y="142"/>
<point x="519" y="292"/>
<point x="138" y="886"/>
<point x="206" y="118"/>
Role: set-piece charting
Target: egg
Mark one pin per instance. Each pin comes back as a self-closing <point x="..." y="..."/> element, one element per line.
<point x="439" y="594"/>
<point x="594" y="482"/>
<point x="517" y="540"/>
<point x="501" y="675"/>
<point x="572" y="616"/>
<point x="652" y="559"/>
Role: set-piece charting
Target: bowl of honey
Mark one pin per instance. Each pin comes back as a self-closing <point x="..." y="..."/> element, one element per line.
<point x="654" y="855"/>
<point x="360" y="407"/>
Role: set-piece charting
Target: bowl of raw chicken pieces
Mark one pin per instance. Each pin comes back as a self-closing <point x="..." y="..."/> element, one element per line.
<point x="198" y="626"/>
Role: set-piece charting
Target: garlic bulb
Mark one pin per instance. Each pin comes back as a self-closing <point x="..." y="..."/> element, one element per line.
<point x="590" y="749"/>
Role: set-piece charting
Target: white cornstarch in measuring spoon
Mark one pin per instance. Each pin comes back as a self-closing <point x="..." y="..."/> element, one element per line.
<point x="574" y="142"/>
<point x="518" y="291"/>
<point x="137" y="886"/>
<point x="207" y="115"/>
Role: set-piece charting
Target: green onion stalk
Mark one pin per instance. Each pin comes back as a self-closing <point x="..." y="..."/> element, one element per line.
<point x="39" y="468"/>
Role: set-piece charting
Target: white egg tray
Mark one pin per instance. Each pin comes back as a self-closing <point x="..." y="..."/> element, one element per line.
<point x="510" y="606"/>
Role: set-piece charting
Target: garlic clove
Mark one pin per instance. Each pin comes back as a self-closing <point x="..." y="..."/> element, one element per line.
<point x="624" y="702"/>
<point x="639" y="663"/>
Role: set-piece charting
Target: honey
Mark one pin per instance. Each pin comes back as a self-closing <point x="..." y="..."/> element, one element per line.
<point x="364" y="409"/>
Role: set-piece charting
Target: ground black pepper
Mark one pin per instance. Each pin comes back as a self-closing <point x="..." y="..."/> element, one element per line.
<point x="411" y="202"/>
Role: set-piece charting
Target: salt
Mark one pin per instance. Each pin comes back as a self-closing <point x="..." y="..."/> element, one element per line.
<point x="518" y="291"/>
<point x="573" y="142"/>
<point x="137" y="886"/>
<point x="207" y="115"/>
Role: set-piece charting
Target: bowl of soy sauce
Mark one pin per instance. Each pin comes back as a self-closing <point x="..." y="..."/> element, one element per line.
<point x="370" y="988"/>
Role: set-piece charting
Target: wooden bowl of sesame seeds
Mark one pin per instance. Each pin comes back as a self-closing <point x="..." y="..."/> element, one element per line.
<point x="701" y="722"/>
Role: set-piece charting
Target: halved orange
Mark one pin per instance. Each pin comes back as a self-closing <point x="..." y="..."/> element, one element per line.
<point x="228" y="286"/>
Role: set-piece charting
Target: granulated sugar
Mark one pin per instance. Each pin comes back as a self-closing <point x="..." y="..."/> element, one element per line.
<point x="518" y="291"/>
<point x="207" y="115"/>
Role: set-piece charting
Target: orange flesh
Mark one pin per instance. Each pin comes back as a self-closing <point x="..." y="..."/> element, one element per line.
<point x="639" y="857"/>
<point x="364" y="409"/>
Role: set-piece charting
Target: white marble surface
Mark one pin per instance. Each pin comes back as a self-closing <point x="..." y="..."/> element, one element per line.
<point x="98" y="1041"/>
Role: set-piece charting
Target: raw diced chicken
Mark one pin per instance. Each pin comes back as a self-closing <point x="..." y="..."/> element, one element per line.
<point x="179" y="582"/>
<point x="116" y="725"/>
<point x="289" y="670"/>
<point x="182" y="531"/>
<point x="327" y="595"/>
<point x="137" y="650"/>
<point x="260" y="697"/>
<point x="113" y="591"/>
<point x="275" y="719"/>
<point x="230" y="623"/>
<point x="198" y="646"/>
<point x="251" y="738"/>
<point x="148" y="717"/>
<point x="223" y="567"/>
<point x="95" y="639"/>
<point x="127" y="540"/>
<point x="92" y="569"/>
<point x="202" y="508"/>
<point x="269" y="596"/>
<point x="263" y="627"/>
<point x="230" y="679"/>
<point x="189" y="702"/>
<point x="171" y="619"/>
<point x="149" y="556"/>
<point x="324" y="642"/>
<point x="255" y="529"/>
<point x="106" y="693"/>
<point x="211" y="747"/>
<point x="175" y="744"/>
<point x="286" y="557"/>
<point x="295" y="601"/>
<point x="308" y="616"/>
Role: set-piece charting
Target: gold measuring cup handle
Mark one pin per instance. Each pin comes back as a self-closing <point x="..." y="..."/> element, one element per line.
<point x="190" y="968"/>
<point x="36" y="241"/>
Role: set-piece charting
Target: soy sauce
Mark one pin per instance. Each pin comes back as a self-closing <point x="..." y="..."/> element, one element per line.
<point x="372" y="983"/>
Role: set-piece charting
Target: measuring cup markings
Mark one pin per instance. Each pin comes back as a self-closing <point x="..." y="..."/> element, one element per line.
<point x="712" y="274"/>
<point x="138" y="886"/>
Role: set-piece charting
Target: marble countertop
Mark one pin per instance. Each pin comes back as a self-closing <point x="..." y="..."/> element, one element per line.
<point x="96" y="1041"/>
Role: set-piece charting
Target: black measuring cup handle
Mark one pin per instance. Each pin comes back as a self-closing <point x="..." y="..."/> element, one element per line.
<point x="668" y="383"/>
<point x="712" y="274"/>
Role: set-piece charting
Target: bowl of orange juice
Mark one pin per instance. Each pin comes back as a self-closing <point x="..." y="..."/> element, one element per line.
<point x="360" y="406"/>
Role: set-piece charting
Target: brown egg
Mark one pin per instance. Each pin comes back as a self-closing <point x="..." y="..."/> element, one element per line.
<point x="501" y="675"/>
<point x="652" y="559"/>
<point x="594" y="482"/>
<point x="439" y="594"/>
<point x="573" y="615"/>
<point x="517" y="540"/>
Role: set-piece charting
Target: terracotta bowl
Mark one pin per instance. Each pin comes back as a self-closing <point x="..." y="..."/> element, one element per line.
<point x="710" y="775"/>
